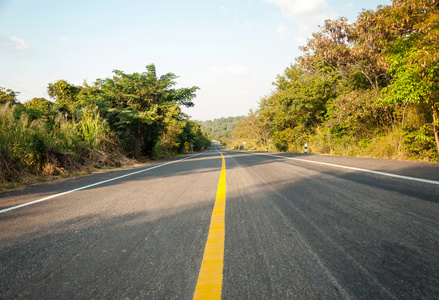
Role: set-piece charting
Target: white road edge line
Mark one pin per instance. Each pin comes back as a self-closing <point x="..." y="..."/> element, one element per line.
<point x="91" y="185"/>
<point x="359" y="169"/>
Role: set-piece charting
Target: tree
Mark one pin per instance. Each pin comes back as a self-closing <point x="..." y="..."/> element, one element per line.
<point x="8" y="96"/>
<point x="139" y="104"/>
<point x="254" y="130"/>
<point x="220" y="129"/>
<point x="412" y="31"/>
<point x="353" y="50"/>
<point x="296" y="108"/>
<point x="65" y="96"/>
<point x="39" y="108"/>
<point x="193" y="134"/>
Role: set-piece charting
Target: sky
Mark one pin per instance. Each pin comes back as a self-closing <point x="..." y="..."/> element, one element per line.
<point x="231" y="49"/>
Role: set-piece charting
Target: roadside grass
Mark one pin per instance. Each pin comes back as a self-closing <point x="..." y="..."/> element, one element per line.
<point x="393" y="143"/>
<point x="35" y="151"/>
<point x="83" y="171"/>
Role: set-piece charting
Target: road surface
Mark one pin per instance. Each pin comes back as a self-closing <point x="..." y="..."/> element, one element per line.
<point x="296" y="227"/>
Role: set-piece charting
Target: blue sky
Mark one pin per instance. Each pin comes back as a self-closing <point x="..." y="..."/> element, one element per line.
<point x="232" y="50"/>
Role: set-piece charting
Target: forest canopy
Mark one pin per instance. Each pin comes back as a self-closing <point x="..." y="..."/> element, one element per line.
<point x="220" y="129"/>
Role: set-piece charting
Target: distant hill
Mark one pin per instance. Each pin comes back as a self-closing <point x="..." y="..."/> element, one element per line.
<point x="220" y="129"/>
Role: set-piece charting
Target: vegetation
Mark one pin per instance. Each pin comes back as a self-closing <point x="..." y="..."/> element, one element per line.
<point x="220" y="129"/>
<point x="135" y="115"/>
<point x="367" y="88"/>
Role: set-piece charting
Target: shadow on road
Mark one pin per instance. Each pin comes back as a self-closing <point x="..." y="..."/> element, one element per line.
<point x="293" y="230"/>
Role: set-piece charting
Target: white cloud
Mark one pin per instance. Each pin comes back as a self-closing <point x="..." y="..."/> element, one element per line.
<point x="20" y="44"/>
<point x="294" y="8"/>
<point x="224" y="9"/>
<point x="281" y="28"/>
<point x="350" y="5"/>
<point x="304" y="15"/>
<point x="304" y="27"/>
<point x="300" y="40"/>
<point x="283" y="31"/>
<point x="228" y="70"/>
<point x="249" y="24"/>
<point x="64" y="39"/>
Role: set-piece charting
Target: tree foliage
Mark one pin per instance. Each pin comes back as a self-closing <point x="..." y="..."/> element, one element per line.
<point x="138" y="107"/>
<point x="220" y="129"/>
<point x="8" y="96"/>
<point x="357" y="86"/>
<point x="135" y="114"/>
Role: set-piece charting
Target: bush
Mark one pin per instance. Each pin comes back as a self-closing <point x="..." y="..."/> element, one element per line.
<point x="420" y="143"/>
<point x="26" y="141"/>
<point x="92" y="129"/>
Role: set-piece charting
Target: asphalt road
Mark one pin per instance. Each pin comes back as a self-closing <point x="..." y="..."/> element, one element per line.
<point x="296" y="227"/>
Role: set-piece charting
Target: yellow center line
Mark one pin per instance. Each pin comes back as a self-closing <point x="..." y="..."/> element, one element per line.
<point x="210" y="279"/>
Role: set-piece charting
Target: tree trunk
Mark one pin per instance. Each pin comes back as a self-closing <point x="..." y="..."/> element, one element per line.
<point x="435" y="128"/>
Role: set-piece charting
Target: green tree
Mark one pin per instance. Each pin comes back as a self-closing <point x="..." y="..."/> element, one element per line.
<point x="254" y="131"/>
<point x="297" y="106"/>
<point x="413" y="55"/>
<point x="140" y="104"/>
<point x="65" y="96"/>
<point x="352" y="50"/>
<point x="39" y="108"/>
<point x="220" y="129"/>
<point x="8" y="96"/>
